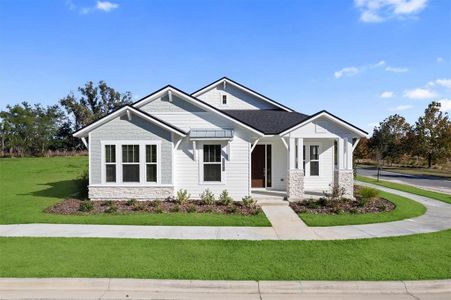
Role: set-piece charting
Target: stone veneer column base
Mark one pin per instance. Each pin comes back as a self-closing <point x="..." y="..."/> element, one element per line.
<point x="132" y="192"/>
<point x="295" y="185"/>
<point x="345" y="179"/>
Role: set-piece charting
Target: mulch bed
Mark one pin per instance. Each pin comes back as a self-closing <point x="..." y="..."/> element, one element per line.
<point x="72" y="207"/>
<point x="340" y="206"/>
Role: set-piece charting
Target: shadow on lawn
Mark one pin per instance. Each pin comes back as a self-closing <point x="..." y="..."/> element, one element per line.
<point x="62" y="189"/>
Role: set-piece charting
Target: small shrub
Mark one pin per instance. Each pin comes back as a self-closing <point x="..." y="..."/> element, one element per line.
<point x="191" y="208"/>
<point x="207" y="197"/>
<point x="158" y="209"/>
<point x="138" y="207"/>
<point x="232" y="209"/>
<point x="156" y="203"/>
<point x="368" y="193"/>
<point x="83" y="182"/>
<point x="182" y="196"/>
<point x="336" y="193"/>
<point x="323" y="201"/>
<point x="86" y="206"/>
<point x="131" y="202"/>
<point x="248" y="201"/>
<point x="175" y="208"/>
<point x="107" y="203"/>
<point x="111" y="209"/>
<point x="225" y="198"/>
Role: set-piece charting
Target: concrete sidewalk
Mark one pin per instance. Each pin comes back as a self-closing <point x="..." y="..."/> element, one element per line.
<point x="286" y="225"/>
<point x="98" y="288"/>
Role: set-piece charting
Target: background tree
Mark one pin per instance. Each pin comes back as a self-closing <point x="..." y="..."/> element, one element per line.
<point x="92" y="103"/>
<point x="362" y="151"/>
<point x="433" y="134"/>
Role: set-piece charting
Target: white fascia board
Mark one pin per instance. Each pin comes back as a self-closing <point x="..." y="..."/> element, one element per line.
<point x="330" y="117"/>
<point x="194" y="101"/>
<point x="209" y="87"/>
<point x="84" y="132"/>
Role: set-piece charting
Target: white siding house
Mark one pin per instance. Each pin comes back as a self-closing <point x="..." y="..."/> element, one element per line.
<point x="225" y="136"/>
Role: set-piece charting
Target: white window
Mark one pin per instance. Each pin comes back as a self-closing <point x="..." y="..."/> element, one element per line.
<point x="303" y="158"/>
<point x="151" y="163"/>
<point x="212" y="163"/>
<point x="224" y="99"/>
<point x="110" y="163"/>
<point x="314" y="160"/>
<point x="130" y="163"/>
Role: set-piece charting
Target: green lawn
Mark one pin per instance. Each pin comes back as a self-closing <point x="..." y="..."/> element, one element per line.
<point x="405" y="208"/>
<point x="422" y="256"/>
<point x="30" y="185"/>
<point x="414" y="171"/>
<point x="408" y="188"/>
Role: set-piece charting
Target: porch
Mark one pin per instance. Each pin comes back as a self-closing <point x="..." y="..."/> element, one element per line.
<point x="297" y="167"/>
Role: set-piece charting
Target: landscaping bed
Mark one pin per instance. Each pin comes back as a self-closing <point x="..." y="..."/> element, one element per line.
<point x="343" y="205"/>
<point x="79" y="207"/>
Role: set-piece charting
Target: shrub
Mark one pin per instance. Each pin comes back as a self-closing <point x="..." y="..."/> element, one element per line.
<point x="368" y="193"/>
<point x="336" y="193"/>
<point x="107" y="203"/>
<point x="225" y="198"/>
<point x="83" y="182"/>
<point x="131" y="202"/>
<point x="248" y="201"/>
<point x="86" y="206"/>
<point x="182" y="196"/>
<point x="111" y="209"/>
<point x="191" y="208"/>
<point x="208" y="197"/>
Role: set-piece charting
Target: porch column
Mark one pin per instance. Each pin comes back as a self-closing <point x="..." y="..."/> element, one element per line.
<point x="300" y="153"/>
<point x="343" y="175"/>
<point x="295" y="182"/>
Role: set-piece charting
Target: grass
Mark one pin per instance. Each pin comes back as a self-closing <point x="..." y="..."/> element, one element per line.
<point x="30" y="185"/>
<point x="405" y="208"/>
<point x="408" y="188"/>
<point x="422" y="256"/>
<point x="414" y="171"/>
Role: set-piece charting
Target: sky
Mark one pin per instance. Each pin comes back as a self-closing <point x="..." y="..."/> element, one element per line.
<point x="361" y="60"/>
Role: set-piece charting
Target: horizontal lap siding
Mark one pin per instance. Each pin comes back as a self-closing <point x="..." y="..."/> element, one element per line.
<point x="136" y="129"/>
<point x="237" y="170"/>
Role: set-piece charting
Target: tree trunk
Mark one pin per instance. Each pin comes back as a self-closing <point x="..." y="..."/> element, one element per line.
<point x="429" y="160"/>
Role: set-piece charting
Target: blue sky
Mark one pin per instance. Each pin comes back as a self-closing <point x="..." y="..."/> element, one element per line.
<point x="361" y="60"/>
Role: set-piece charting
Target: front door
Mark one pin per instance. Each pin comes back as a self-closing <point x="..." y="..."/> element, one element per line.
<point x="261" y="166"/>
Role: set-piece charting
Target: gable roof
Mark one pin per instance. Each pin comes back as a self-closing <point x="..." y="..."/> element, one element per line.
<point x="119" y="112"/>
<point x="327" y="114"/>
<point x="243" y="88"/>
<point x="194" y="100"/>
<point x="268" y="121"/>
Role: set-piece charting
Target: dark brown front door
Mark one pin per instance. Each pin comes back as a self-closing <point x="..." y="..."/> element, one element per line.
<point x="258" y="166"/>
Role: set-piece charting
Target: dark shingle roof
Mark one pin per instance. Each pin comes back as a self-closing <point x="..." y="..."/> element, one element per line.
<point x="267" y="121"/>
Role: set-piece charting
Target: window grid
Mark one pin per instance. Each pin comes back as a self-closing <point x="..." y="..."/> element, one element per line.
<point x="110" y="163"/>
<point x="212" y="163"/>
<point x="151" y="163"/>
<point x="130" y="163"/>
<point x="314" y="160"/>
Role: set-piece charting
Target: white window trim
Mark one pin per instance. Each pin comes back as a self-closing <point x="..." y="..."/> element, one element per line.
<point x="221" y="99"/>
<point x="142" y="162"/>
<point x="200" y="151"/>
<point x="150" y="163"/>
<point x="110" y="163"/>
<point x="318" y="160"/>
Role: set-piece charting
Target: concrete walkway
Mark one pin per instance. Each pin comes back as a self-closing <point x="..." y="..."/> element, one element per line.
<point x="285" y="226"/>
<point x="99" y="288"/>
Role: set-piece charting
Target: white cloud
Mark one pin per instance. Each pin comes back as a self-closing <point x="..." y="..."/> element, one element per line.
<point x="376" y="11"/>
<point x="106" y="6"/>
<point x="440" y="60"/>
<point x="379" y="64"/>
<point x="396" y="70"/>
<point x="444" y="82"/>
<point x="419" y="93"/>
<point x="446" y="105"/>
<point x="387" y="94"/>
<point x="348" y="71"/>
<point x="401" y="107"/>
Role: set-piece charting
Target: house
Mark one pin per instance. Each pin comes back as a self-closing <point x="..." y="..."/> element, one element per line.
<point x="223" y="136"/>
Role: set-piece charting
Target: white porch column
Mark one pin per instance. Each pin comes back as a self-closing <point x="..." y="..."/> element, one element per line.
<point x="292" y="153"/>
<point x="300" y="153"/>
<point x="295" y="182"/>
<point x="343" y="175"/>
<point x="349" y="153"/>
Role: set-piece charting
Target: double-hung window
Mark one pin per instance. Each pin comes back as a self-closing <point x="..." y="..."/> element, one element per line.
<point x="151" y="163"/>
<point x="110" y="163"/>
<point x="314" y="160"/>
<point x="130" y="163"/>
<point x="212" y="163"/>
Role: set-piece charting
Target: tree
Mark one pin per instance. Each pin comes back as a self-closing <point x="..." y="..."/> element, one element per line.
<point x="362" y="150"/>
<point x="93" y="103"/>
<point x="433" y="131"/>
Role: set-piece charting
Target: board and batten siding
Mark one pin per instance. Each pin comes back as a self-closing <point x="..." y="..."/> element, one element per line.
<point x="279" y="162"/>
<point x="236" y="98"/>
<point x="136" y="129"/>
<point x="326" y="165"/>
